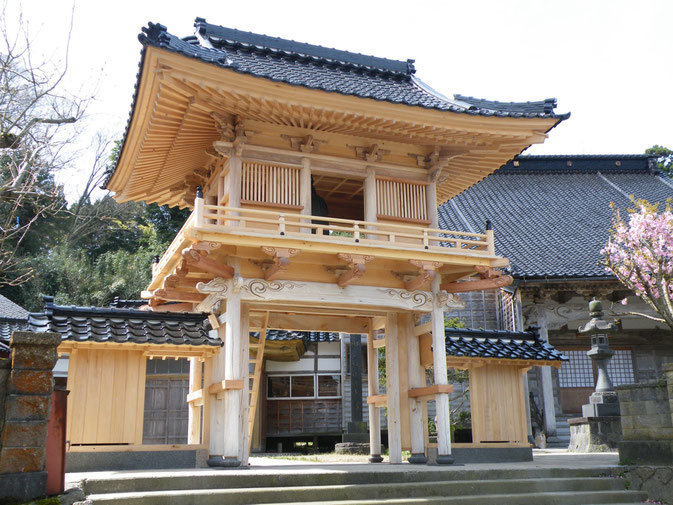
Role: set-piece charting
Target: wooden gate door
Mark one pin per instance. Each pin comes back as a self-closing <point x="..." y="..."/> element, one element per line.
<point x="166" y="410"/>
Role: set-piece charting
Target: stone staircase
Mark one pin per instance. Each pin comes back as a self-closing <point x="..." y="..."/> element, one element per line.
<point x="363" y="485"/>
<point x="562" y="438"/>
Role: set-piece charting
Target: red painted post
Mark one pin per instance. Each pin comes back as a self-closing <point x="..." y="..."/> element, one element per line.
<point x="55" y="447"/>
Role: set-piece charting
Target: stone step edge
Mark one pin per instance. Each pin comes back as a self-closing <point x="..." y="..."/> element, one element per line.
<point x="317" y="489"/>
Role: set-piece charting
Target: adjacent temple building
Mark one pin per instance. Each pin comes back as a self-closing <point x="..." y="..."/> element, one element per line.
<point x="314" y="176"/>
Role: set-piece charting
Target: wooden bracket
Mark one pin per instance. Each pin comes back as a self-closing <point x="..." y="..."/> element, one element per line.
<point x="489" y="279"/>
<point x="306" y="144"/>
<point x="372" y="153"/>
<point x="198" y="259"/>
<point x="426" y="274"/>
<point x="177" y="295"/>
<point x="206" y="246"/>
<point x="281" y="261"/>
<point x="356" y="267"/>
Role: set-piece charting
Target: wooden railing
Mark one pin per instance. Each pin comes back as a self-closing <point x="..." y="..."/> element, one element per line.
<point x="294" y="225"/>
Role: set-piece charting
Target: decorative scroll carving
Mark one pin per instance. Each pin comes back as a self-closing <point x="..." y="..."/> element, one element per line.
<point x="306" y="144"/>
<point x="217" y="289"/>
<point x="417" y="298"/>
<point x="259" y="287"/>
<point x="206" y="246"/>
<point x="449" y="301"/>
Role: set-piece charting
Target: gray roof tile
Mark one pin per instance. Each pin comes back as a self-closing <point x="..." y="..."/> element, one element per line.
<point x="10" y="309"/>
<point x="551" y="214"/>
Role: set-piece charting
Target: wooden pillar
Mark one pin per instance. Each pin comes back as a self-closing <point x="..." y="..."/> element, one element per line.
<point x="244" y="375"/>
<point x="440" y="370"/>
<point x="431" y="200"/>
<point x="417" y="422"/>
<point x="194" y="415"/>
<point x="207" y="399"/>
<point x="545" y="380"/>
<point x="403" y="373"/>
<point x="234" y="185"/>
<point x="232" y="369"/>
<point x="305" y="190"/>
<point x="373" y="389"/>
<point x="215" y="407"/>
<point x="393" y="390"/>
<point x="370" y="199"/>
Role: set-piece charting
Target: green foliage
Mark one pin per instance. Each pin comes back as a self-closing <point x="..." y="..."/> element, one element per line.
<point x="453" y="322"/>
<point x="664" y="161"/>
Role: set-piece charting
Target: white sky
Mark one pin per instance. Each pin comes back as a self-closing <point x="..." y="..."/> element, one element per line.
<point x="610" y="63"/>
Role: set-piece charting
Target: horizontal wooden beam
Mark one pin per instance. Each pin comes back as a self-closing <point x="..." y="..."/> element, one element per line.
<point x="378" y="343"/>
<point x="225" y="385"/>
<point x="178" y="296"/>
<point x="173" y="307"/>
<point x="198" y="260"/>
<point x="195" y="397"/>
<point x="423" y="329"/>
<point x="430" y="391"/>
<point x="377" y="400"/>
<point x="480" y="285"/>
<point x="306" y="322"/>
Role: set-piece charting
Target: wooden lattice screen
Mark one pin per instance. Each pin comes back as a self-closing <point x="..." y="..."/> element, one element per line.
<point x="274" y="185"/>
<point x="401" y="199"/>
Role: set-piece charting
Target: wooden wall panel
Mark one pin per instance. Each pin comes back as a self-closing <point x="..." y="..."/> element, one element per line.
<point x="107" y="393"/>
<point x="497" y="404"/>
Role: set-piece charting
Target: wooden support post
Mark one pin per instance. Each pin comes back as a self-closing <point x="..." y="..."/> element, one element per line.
<point x="234" y="185"/>
<point x="431" y="201"/>
<point x="194" y="419"/>
<point x="232" y="398"/>
<point x="373" y="389"/>
<point x="416" y="380"/>
<point x="198" y="207"/>
<point x="440" y="370"/>
<point x="305" y="190"/>
<point x="403" y="374"/>
<point x="214" y="404"/>
<point x="244" y="375"/>
<point x="370" y="199"/>
<point x="207" y="400"/>
<point x="393" y="390"/>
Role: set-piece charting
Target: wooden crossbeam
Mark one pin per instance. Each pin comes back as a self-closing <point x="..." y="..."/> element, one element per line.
<point x="178" y="296"/>
<point x="171" y="307"/>
<point x="225" y="385"/>
<point x="195" y="397"/>
<point x="281" y="261"/>
<point x="428" y="392"/>
<point x="427" y="272"/>
<point x="378" y="343"/>
<point x="481" y="284"/>
<point x="377" y="400"/>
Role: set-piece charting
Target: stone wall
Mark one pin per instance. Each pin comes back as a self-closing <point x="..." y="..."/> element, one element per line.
<point x="25" y="403"/>
<point x="647" y="420"/>
<point x="656" y="481"/>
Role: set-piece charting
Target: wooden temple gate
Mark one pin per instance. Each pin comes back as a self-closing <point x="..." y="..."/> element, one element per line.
<point x="314" y="208"/>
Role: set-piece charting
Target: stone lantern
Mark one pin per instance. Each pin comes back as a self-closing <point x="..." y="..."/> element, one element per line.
<point x="599" y="429"/>
<point x="603" y="402"/>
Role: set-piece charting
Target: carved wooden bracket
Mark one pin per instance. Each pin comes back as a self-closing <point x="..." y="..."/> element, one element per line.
<point x="372" y="153"/>
<point x="281" y="261"/>
<point x="426" y="274"/>
<point x="305" y="144"/>
<point x="206" y="246"/>
<point x="489" y="279"/>
<point x="199" y="259"/>
<point x="355" y="269"/>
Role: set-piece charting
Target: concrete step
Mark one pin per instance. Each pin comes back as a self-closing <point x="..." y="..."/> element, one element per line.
<point x="570" y="491"/>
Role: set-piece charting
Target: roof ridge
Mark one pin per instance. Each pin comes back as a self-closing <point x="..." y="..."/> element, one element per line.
<point x="291" y="47"/>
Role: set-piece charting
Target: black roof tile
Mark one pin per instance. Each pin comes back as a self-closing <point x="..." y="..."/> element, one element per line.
<point x="499" y="344"/>
<point x="306" y="336"/>
<point x="551" y="214"/>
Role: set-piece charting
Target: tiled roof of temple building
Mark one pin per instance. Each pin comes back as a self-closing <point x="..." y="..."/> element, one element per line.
<point x="551" y="214"/>
<point x="13" y="317"/>
<point x="123" y="325"/>
<point x="306" y="336"/>
<point x="499" y="344"/>
<point x="327" y="69"/>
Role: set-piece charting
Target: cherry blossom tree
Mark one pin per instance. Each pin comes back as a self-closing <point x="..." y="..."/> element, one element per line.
<point x="640" y="254"/>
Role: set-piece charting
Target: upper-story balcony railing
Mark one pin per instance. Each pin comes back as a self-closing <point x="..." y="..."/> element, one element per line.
<point x="266" y="224"/>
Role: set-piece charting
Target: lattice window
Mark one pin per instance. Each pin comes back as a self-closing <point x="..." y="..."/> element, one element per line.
<point x="398" y="198"/>
<point x="620" y="368"/>
<point x="508" y="311"/>
<point x="275" y="185"/>
<point x="578" y="372"/>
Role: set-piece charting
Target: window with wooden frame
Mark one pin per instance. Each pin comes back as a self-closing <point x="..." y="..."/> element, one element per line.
<point x="401" y="200"/>
<point x="303" y="387"/>
<point x="269" y="185"/>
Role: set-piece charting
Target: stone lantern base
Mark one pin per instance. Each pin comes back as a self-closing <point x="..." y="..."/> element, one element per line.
<point x="595" y="434"/>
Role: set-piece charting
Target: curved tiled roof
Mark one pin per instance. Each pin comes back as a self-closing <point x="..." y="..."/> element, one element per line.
<point x="326" y="69"/>
<point x="109" y="324"/>
<point x="551" y="214"/>
<point x="9" y="309"/>
<point x="499" y="344"/>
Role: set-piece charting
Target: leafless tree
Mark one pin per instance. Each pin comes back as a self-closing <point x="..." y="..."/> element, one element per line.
<point x="36" y="117"/>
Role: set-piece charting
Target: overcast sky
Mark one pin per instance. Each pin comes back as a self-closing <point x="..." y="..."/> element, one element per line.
<point x="609" y="63"/>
